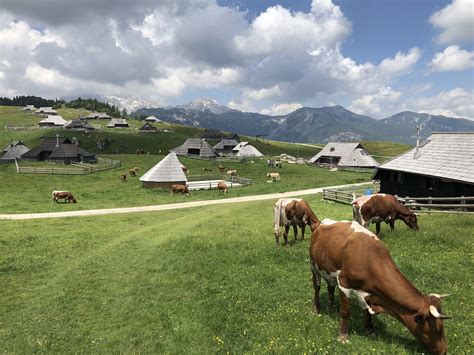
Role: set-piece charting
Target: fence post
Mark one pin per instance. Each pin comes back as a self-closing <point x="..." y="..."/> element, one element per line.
<point x="430" y="201"/>
<point x="335" y="194"/>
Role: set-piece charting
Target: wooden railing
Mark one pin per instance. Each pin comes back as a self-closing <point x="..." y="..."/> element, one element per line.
<point x="239" y="180"/>
<point x="347" y="194"/>
<point x="72" y="169"/>
<point x="439" y="204"/>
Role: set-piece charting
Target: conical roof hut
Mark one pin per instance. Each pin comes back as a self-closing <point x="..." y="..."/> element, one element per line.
<point x="249" y="151"/>
<point x="14" y="151"/>
<point x="164" y="174"/>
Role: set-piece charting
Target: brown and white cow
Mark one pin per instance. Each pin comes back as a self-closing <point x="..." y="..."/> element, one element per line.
<point x="66" y="195"/>
<point x="350" y="256"/>
<point x="293" y="212"/>
<point x="183" y="189"/>
<point x="382" y="208"/>
<point x="231" y="173"/>
<point x="221" y="185"/>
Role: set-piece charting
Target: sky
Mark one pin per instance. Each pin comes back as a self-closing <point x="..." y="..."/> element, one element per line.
<point x="374" y="57"/>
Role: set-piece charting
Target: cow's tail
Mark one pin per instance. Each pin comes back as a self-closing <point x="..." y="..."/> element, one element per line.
<point x="356" y="212"/>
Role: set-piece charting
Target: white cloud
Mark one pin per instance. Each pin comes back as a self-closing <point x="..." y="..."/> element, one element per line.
<point x="401" y="64"/>
<point x="457" y="102"/>
<point x="281" y="109"/>
<point x="377" y="105"/>
<point x="452" y="58"/>
<point x="455" y="21"/>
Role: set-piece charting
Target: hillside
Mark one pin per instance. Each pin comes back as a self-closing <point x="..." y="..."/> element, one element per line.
<point x="309" y="125"/>
<point x="123" y="141"/>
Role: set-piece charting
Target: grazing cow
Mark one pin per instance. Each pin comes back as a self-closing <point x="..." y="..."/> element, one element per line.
<point x="222" y="186"/>
<point x="274" y="176"/>
<point x="66" y="195"/>
<point x="231" y="173"/>
<point x="221" y="168"/>
<point x="293" y="212"/>
<point x="382" y="208"/>
<point x="352" y="257"/>
<point x="183" y="189"/>
<point x="124" y="177"/>
<point x="132" y="172"/>
<point x="206" y="169"/>
<point x="185" y="169"/>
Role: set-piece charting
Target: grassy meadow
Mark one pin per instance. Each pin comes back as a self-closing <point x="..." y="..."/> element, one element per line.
<point x="207" y="280"/>
<point x="32" y="192"/>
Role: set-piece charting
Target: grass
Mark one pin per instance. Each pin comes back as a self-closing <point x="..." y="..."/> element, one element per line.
<point x="207" y="280"/>
<point x="381" y="151"/>
<point x="32" y="193"/>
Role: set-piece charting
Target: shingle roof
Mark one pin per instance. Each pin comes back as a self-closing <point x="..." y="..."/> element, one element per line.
<point x="99" y="115"/>
<point x="147" y="127"/>
<point x="443" y="155"/>
<point x="227" y="143"/>
<point x="53" y="120"/>
<point x="68" y="151"/>
<point x="195" y="143"/>
<point x="152" y="119"/>
<point x="239" y="146"/>
<point x="117" y="122"/>
<point x="78" y="124"/>
<point x="249" y="151"/>
<point x="14" y="151"/>
<point x="47" y="145"/>
<point x="169" y="169"/>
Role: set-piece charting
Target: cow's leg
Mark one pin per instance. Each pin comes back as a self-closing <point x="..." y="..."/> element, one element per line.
<point x="317" y="286"/>
<point x="392" y="224"/>
<point x="277" y="238"/>
<point x="303" y="226"/>
<point x="345" y="314"/>
<point x="377" y="228"/>
<point x="369" y="324"/>
<point x="295" y="231"/>
<point x="285" y="235"/>
<point x="331" y="302"/>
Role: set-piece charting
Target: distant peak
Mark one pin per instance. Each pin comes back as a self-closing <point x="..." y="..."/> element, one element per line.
<point x="203" y="104"/>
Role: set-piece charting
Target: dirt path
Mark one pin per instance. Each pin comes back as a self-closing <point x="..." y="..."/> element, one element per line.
<point x="171" y="206"/>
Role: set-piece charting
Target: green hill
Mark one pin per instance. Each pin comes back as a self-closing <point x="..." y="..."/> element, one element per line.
<point x="18" y="125"/>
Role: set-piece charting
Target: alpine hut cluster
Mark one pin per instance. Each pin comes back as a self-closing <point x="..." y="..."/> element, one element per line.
<point x="197" y="147"/>
<point x="344" y="155"/>
<point x="441" y="166"/>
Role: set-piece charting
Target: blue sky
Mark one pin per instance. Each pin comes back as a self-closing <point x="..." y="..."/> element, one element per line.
<point x="375" y="57"/>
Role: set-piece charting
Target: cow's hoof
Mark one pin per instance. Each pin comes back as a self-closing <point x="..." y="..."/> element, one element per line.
<point x="332" y="307"/>
<point x="372" y="334"/>
<point x="343" y="338"/>
<point x="316" y="311"/>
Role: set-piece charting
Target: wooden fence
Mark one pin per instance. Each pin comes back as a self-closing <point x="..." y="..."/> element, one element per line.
<point x="460" y="204"/>
<point x="73" y="169"/>
<point x="229" y="179"/>
<point x="347" y="194"/>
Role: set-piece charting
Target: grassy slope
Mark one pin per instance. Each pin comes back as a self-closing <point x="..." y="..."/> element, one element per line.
<point x="32" y="193"/>
<point x="206" y="280"/>
<point x="124" y="140"/>
<point x="381" y="150"/>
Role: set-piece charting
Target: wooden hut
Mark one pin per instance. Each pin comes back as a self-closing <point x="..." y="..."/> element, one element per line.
<point x="152" y="119"/>
<point x="196" y="147"/>
<point x="225" y="146"/>
<point x="147" y="128"/>
<point x="441" y="166"/>
<point x="29" y="108"/>
<point x="52" y="121"/>
<point x="98" y="116"/>
<point x="344" y="155"/>
<point x="79" y="125"/>
<point x="117" y="123"/>
<point x="59" y="149"/>
<point x="167" y="172"/>
<point x="13" y="151"/>
<point x="46" y="111"/>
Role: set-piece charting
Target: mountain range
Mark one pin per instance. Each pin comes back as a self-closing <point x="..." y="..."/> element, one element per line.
<point x="309" y="125"/>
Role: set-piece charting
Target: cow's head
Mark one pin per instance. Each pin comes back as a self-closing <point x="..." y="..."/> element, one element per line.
<point x="411" y="221"/>
<point x="429" y="325"/>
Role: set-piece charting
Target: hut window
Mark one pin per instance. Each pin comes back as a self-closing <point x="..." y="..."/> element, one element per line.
<point x="332" y="149"/>
<point x="392" y="176"/>
<point x="193" y="151"/>
<point x="399" y="178"/>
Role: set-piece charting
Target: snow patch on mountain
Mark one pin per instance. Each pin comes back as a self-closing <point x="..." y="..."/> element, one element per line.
<point x="204" y="104"/>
